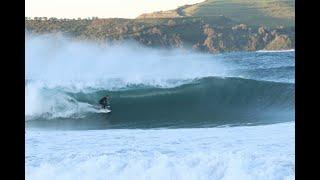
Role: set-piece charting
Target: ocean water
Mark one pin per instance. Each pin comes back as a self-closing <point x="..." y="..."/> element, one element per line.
<point x="254" y="152"/>
<point x="175" y="114"/>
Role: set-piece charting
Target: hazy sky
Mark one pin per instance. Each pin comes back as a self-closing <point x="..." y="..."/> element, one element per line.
<point x="99" y="8"/>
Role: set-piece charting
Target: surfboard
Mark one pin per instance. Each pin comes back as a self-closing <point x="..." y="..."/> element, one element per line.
<point x="100" y="110"/>
<point x="104" y="110"/>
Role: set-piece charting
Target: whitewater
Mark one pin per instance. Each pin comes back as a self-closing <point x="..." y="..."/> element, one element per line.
<point x="260" y="152"/>
<point x="176" y="114"/>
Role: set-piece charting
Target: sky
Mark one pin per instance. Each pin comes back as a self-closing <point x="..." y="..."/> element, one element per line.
<point x="99" y="8"/>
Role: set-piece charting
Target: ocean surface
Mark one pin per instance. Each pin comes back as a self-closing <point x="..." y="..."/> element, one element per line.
<point x="175" y="114"/>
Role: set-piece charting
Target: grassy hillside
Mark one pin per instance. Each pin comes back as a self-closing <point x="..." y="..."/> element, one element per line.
<point x="210" y="34"/>
<point x="251" y="12"/>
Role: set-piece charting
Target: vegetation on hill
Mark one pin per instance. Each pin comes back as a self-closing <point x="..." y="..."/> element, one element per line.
<point x="252" y="12"/>
<point x="208" y="34"/>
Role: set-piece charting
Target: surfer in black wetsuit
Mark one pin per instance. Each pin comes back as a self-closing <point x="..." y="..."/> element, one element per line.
<point x="104" y="102"/>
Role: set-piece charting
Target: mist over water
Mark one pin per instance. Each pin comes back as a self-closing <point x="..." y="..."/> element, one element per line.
<point x="58" y="61"/>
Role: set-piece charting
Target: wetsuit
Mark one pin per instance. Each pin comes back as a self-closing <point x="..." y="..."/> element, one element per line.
<point x="104" y="102"/>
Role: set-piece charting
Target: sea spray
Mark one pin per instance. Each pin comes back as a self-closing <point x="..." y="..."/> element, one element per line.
<point x="57" y="60"/>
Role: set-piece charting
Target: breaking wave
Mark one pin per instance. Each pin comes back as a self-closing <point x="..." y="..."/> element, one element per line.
<point x="152" y="88"/>
<point x="207" y="101"/>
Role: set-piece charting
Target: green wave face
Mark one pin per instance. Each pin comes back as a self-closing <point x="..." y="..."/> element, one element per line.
<point x="205" y="102"/>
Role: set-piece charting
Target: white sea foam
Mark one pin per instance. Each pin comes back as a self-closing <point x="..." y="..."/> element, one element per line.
<point x="285" y="50"/>
<point x="52" y="103"/>
<point x="256" y="152"/>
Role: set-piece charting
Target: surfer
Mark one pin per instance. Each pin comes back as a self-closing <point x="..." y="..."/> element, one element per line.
<point x="104" y="102"/>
